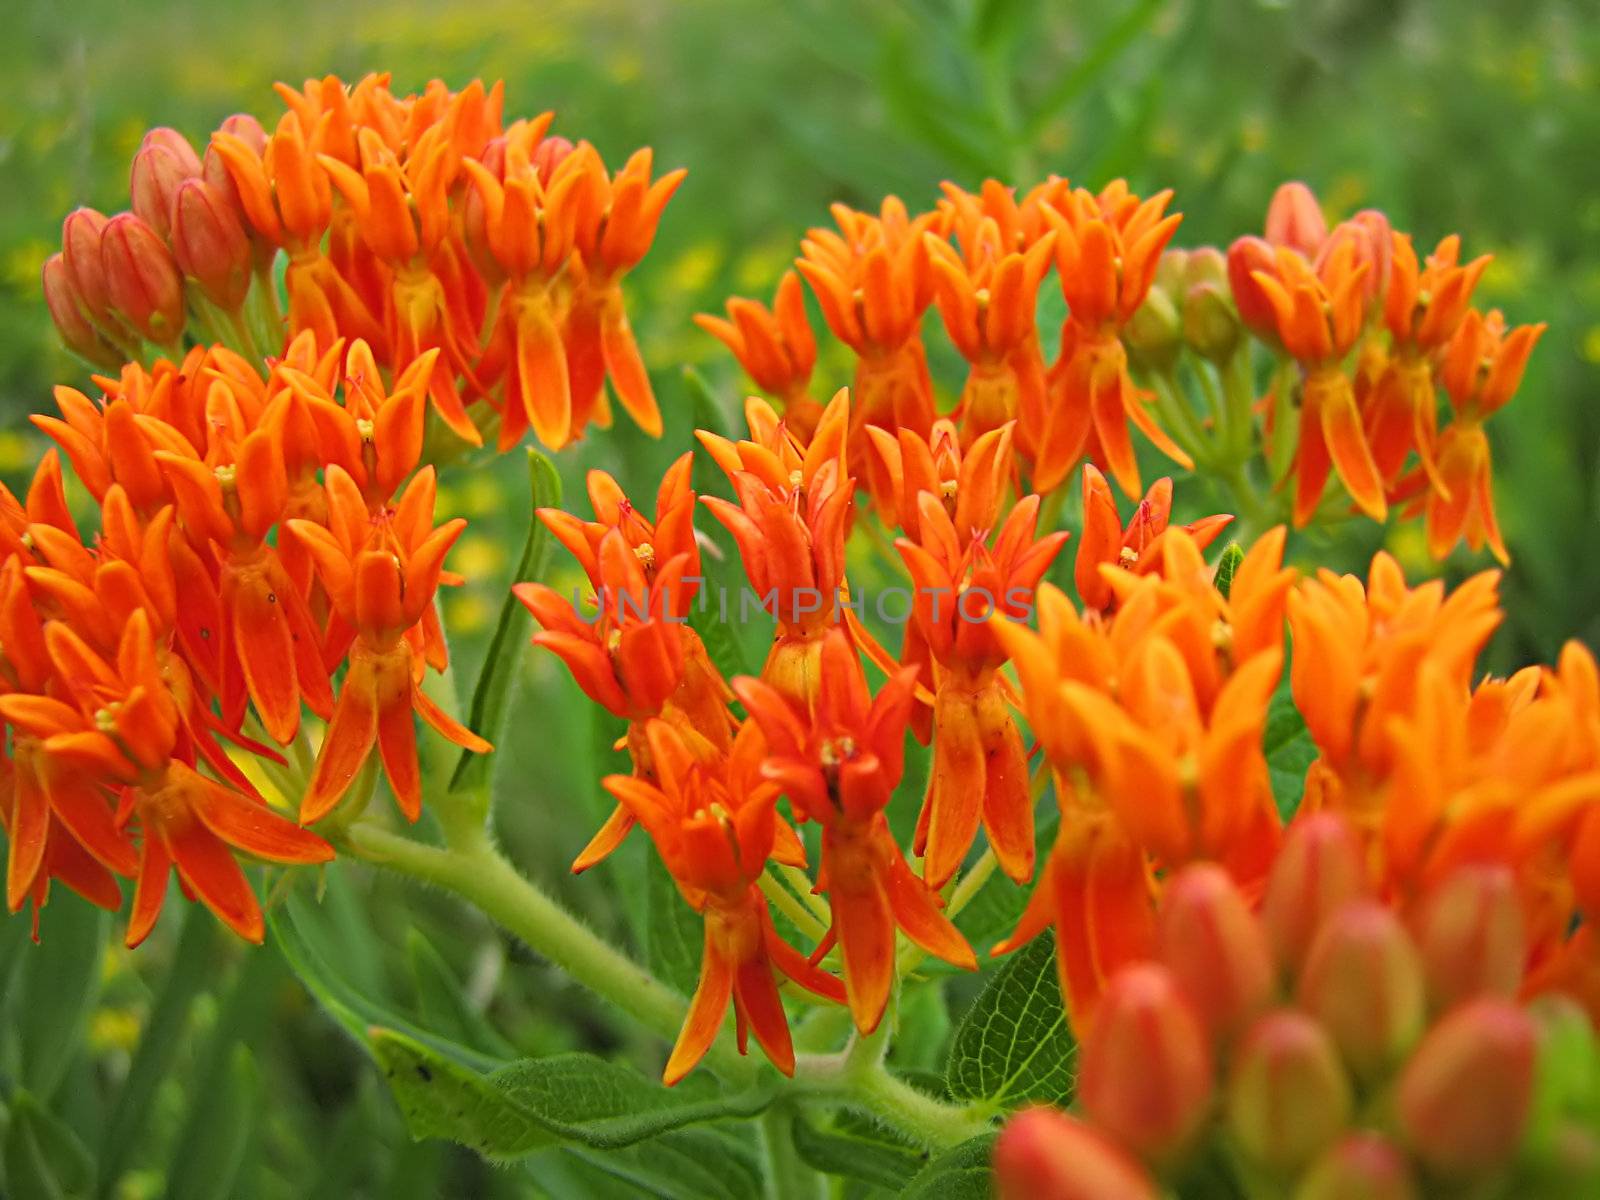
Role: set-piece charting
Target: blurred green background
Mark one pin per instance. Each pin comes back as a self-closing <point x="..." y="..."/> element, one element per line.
<point x="1476" y="117"/>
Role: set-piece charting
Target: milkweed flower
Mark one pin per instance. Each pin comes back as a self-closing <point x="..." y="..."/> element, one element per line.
<point x="1105" y="542"/>
<point x="1151" y="720"/>
<point x="776" y="348"/>
<point x="839" y="763"/>
<point x="116" y="727"/>
<point x="380" y="571"/>
<point x="1482" y="368"/>
<point x="1107" y="249"/>
<point x="963" y="582"/>
<point x="636" y="656"/>
<point x="714" y="824"/>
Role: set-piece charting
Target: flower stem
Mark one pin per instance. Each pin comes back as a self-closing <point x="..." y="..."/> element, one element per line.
<point x="788" y="1177"/>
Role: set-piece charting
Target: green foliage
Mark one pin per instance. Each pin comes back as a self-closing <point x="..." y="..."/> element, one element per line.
<point x="959" y="1174"/>
<point x="1014" y="1045"/>
<point x="1232" y="556"/>
<point x="535" y="1102"/>
<point x="1289" y="751"/>
<point x="851" y="1145"/>
<point x="58" y="991"/>
<point x="43" y="1158"/>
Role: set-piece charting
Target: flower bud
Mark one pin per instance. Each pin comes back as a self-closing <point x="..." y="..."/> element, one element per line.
<point x="1471" y="936"/>
<point x="1288" y="1095"/>
<point x="1042" y="1153"/>
<point x="1215" y="948"/>
<point x="1465" y="1095"/>
<point x="142" y="279"/>
<point x="1567" y="1074"/>
<point x="81" y="235"/>
<point x="1145" y="1072"/>
<point x="1205" y="264"/>
<point x="247" y="129"/>
<point x="1246" y="256"/>
<point x="77" y="332"/>
<point x="210" y="245"/>
<point x="1363" y="981"/>
<point x="1363" y="1166"/>
<point x="159" y="167"/>
<point x="1154" y="335"/>
<point x="547" y="156"/>
<point x="1319" y="868"/>
<point x="1172" y="270"/>
<point x="1373" y="240"/>
<point x="1294" y="219"/>
<point x="1210" y="323"/>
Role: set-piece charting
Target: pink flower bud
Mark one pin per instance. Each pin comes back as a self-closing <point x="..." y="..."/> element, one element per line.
<point x="1205" y="264"/>
<point x="1319" y="868"/>
<point x="547" y="156"/>
<point x="1294" y="219"/>
<point x="1465" y="1095"/>
<point x="1146" y="1073"/>
<point x="1362" y="1166"/>
<point x="1170" y="270"/>
<point x="1363" y="981"/>
<point x="1246" y="256"/>
<point x="1045" y="1155"/>
<point x="142" y="279"/>
<point x="210" y="245"/>
<point x="1369" y="232"/>
<point x="67" y="311"/>
<point x="1288" y="1094"/>
<point x="177" y="145"/>
<point x="1215" y="948"/>
<point x="157" y="173"/>
<point x="1471" y="936"/>
<point x="247" y="129"/>
<point x="81" y="235"/>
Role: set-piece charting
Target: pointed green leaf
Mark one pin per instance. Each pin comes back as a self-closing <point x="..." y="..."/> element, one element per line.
<point x="857" y="1147"/>
<point x="44" y="1158"/>
<point x="1289" y="750"/>
<point x="208" y="1165"/>
<point x="60" y="982"/>
<point x="1014" y="1046"/>
<point x="674" y="933"/>
<point x="960" y="1174"/>
<point x="688" y="1164"/>
<point x="1232" y="556"/>
<point x="193" y="967"/>
<point x="442" y="1002"/>
<point x="538" y="1101"/>
<point x="500" y="661"/>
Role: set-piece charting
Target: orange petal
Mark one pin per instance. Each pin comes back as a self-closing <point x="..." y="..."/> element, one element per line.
<point x="706" y="1010"/>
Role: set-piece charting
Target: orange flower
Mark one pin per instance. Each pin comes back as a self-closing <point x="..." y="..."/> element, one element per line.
<point x="1107" y="249"/>
<point x="1482" y="368"/>
<point x="873" y="282"/>
<point x="636" y="656"/>
<point x="1423" y="308"/>
<point x="1105" y="541"/>
<point x="979" y="766"/>
<point x="380" y="571"/>
<point x="117" y="727"/>
<point x="1357" y="666"/>
<point x="715" y="828"/>
<point x="1319" y="315"/>
<point x="987" y="295"/>
<point x="1151" y="720"/>
<point x="789" y="526"/>
<point x="776" y="348"/>
<point x="599" y="341"/>
<point x="838" y="765"/>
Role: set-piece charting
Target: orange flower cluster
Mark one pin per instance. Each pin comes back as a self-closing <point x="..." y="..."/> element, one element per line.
<point x="1376" y="333"/>
<point x="256" y="533"/>
<point x="876" y="276"/>
<point x="1263" y="1031"/>
<point x="422" y="225"/>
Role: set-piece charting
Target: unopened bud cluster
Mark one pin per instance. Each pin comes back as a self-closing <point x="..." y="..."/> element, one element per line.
<point x="1325" y="1044"/>
<point x="182" y="254"/>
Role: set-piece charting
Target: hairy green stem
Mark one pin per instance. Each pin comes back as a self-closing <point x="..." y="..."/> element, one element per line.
<point x="473" y="869"/>
<point x="788" y="1176"/>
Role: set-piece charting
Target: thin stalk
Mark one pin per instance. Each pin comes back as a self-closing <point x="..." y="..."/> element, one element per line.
<point x="801" y="883"/>
<point x="787" y="1175"/>
<point x="804" y="919"/>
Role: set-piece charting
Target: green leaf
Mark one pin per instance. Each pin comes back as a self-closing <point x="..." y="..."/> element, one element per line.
<point x="857" y="1147"/>
<point x="708" y="414"/>
<point x="60" y="982"/>
<point x="1289" y="750"/>
<point x="689" y="1164"/>
<point x="674" y="932"/>
<point x="442" y="1003"/>
<point x="960" y="1174"/>
<point x="500" y="661"/>
<point x="193" y="966"/>
<point x="43" y="1157"/>
<point x="1093" y="65"/>
<point x="994" y="912"/>
<point x="208" y="1165"/>
<point x="298" y="934"/>
<point x="1014" y="1046"/>
<point x="538" y="1101"/>
<point x="1232" y="556"/>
